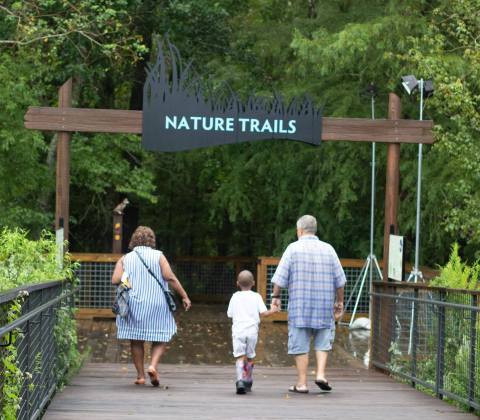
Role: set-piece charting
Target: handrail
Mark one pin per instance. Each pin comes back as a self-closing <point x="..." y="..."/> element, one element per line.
<point x="429" y="301"/>
<point x="422" y="286"/>
<point x="31" y="314"/>
<point x="11" y="294"/>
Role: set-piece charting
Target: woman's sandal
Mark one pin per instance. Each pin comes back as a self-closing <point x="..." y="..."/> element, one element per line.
<point x="294" y="388"/>
<point x="153" y="375"/>
<point x="323" y="385"/>
<point x="140" y="381"/>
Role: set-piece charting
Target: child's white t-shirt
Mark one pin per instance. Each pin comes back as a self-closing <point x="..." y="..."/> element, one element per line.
<point x="245" y="308"/>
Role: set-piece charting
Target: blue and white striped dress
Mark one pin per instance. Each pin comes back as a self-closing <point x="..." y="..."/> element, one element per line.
<point x="149" y="317"/>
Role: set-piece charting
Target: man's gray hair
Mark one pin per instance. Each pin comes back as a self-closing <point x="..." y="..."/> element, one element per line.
<point x="308" y="224"/>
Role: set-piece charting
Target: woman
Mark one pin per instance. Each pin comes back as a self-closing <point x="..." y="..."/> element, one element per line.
<point x="149" y="317"/>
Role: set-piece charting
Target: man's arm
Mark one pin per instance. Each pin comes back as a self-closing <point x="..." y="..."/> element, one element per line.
<point x="277" y="291"/>
<point x="281" y="278"/>
<point x="339" y="299"/>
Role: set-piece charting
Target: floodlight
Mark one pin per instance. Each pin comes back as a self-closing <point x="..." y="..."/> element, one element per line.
<point x="410" y="83"/>
<point x="428" y="88"/>
<point x="371" y="90"/>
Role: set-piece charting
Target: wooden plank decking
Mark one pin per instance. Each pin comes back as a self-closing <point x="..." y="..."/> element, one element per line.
<point x="105" y="391"/>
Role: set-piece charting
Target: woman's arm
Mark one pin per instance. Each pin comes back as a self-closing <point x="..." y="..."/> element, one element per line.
<point x="169" y="276"/>
<point x="118" y="272"/>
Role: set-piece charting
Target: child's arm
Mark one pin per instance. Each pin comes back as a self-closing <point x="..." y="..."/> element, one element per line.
<point x="270" y="312"/>
<point x="262" y="309"/>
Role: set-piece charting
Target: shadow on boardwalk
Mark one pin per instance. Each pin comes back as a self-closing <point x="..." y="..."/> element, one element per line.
<point x="204" y="337"/>
<point x="105" y="391"/>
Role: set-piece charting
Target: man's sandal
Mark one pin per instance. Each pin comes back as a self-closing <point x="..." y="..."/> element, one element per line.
<point x="323" y="385"/>
<point x="294" y="388"/>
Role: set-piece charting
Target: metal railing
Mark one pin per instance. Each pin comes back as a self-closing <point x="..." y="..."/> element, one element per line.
<point x="430" y="337"/>
<point x="208" y="279"/>
<point x="32" y="334"/>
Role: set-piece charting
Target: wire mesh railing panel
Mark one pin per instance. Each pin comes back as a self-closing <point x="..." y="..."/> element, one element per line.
<point x="35" y="347"/>
<point x="213" y="278"/>
<point x="430" y="337"/>
<point x="96" y="290"/>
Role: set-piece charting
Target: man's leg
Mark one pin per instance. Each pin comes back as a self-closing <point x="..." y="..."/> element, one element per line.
<point x="301" y="361"/>
<point x="323" y="340"/>
<point x="299" y="346"/>
<point x="322" y="357"/>
<point x="138" y="354"/>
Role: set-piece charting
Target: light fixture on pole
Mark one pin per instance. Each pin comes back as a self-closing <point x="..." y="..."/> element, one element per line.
<point x="411" y="84"/>
<point x="371" y="261"/>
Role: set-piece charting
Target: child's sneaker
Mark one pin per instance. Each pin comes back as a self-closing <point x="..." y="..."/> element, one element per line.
<point x="241" y="387"/>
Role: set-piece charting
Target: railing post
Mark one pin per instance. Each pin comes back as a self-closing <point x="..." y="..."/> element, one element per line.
<point x="414" y="337"/>
<point x="473" y="355"/>
<point x="440" y="348"/>
<point x="374" y="327"/>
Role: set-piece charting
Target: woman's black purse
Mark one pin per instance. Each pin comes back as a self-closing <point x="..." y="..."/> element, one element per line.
<point x="169" y="296"/>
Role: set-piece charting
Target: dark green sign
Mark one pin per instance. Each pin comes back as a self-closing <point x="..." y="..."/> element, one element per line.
<point x="177" y="115"/>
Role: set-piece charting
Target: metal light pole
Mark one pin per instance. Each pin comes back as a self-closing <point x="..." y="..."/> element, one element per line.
<point x="416" y="274"/>
<point x="371" y="260"/>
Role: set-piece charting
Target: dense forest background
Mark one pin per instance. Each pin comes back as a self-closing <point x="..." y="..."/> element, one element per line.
<point x="244" y="199"/>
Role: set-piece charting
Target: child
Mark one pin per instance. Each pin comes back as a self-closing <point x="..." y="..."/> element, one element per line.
<point x="245" y="309"/>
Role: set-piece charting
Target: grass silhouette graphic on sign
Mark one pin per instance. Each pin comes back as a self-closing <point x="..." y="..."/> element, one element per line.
<point x="179" y="115"/>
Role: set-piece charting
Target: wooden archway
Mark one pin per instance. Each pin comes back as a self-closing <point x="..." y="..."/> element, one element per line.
<point x="65" y="119"/>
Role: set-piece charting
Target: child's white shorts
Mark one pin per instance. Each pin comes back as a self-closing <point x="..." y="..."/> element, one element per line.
<point x="244" y="345"/>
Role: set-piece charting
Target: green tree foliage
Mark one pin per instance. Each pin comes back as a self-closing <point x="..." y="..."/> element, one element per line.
<point x="457" y="274"/>
<point x="244" y="199"/>
<point x="24" y="261"/>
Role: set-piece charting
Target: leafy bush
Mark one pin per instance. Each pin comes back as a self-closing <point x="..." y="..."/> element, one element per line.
<point x="24" y="261"/>
<point x="13" y="377"/>
<point x="457" y="274"/>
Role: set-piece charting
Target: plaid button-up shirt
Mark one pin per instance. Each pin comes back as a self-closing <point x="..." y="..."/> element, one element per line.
<point x="312" y="272"/>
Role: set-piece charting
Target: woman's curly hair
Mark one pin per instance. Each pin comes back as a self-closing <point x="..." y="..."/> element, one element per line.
<point x="143" y="236"/>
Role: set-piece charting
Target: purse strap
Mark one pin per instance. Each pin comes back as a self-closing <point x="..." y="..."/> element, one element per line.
<point x="150" y="271"/>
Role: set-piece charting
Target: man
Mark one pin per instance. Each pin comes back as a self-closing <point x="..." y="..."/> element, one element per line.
<point x="312" y="272"/>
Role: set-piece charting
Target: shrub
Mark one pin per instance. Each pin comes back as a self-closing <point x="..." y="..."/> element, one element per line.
<point x="24" y="261"/>
<point x="457" y="274"/>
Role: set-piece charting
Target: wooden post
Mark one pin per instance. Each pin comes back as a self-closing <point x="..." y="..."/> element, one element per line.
<point x="392" y="183"/>
<point x="381" y="334"/>
<point x="63" y="164"/>
<point x="117" y="233"/>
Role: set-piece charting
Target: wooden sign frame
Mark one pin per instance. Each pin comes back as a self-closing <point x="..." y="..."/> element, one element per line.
<point x="65" y="120"/>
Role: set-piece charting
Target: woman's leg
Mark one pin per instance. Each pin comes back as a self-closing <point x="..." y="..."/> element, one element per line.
<point x="138" y="355"/>
<point x="158" y="349"/>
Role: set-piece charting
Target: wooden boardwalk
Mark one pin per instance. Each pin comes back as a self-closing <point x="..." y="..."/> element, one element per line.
<point x="105" y="391"/>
